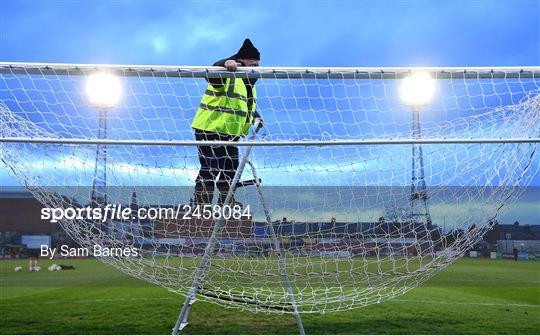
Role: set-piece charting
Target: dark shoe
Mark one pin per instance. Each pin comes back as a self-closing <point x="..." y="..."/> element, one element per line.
<point x="204" y="193"/>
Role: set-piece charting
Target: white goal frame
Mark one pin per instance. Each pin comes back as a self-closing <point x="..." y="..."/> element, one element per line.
<point x="149" y="71"/>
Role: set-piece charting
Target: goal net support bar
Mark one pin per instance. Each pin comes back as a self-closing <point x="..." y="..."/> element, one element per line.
<point x="270" y="143"/>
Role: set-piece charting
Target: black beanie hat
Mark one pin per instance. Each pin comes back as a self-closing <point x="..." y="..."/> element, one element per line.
<point x="248" y="51"/>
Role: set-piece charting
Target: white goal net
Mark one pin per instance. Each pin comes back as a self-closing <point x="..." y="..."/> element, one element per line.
<point x="366" y="202"/>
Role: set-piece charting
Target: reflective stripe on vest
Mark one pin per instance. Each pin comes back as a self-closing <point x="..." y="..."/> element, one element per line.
<point x="225" y="94"/>
<point x="223" y="109"/>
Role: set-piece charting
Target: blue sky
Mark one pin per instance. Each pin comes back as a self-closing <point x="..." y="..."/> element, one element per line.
<point x="288" y="33"/>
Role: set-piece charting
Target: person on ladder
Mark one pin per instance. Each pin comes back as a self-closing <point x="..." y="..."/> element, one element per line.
<point x="225" y="113"/>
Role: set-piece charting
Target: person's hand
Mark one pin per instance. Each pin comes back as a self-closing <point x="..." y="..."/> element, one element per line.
<point x="231" y="65"/>
<point x="261" y="121"/>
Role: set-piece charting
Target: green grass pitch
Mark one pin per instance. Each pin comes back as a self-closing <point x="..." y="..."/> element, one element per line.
<point x="473" y="296"/>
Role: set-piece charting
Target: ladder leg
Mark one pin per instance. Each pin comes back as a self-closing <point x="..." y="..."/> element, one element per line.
<point x="182" y="320"/>
<point x="217" y="225"/>
<point x="277" y="249"/>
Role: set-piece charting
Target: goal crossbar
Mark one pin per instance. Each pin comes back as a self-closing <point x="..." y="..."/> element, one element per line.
<point x="67" y="69"/>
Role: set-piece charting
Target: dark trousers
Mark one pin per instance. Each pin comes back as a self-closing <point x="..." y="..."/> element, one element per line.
<point x="218" y="166"/>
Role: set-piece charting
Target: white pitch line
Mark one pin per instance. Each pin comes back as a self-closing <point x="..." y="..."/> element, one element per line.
<point x="45" y="278"/>
<point x="472" y="303"/>
<point x="493" y="278"/>
<point x="87" y="301"/>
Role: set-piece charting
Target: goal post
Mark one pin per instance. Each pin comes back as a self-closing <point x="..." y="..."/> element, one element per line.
<point x="366" y="193"/>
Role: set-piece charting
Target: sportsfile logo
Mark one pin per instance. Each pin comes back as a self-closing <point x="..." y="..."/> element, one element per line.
<point x="102" y="214"/>
<point x="118" y="212"/>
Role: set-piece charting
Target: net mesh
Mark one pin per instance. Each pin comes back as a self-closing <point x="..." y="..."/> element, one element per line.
<point x="348" y="227"/>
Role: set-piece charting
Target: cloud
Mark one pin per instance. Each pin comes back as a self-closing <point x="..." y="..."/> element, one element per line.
<point x="160" y="44"/>
<point x="193" y="35"/>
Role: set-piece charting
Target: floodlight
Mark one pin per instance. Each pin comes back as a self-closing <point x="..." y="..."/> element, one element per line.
<point x="103" y="90"/>
<point x="417" y="89"/>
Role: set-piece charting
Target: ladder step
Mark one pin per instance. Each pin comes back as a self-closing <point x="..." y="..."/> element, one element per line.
<point x="241" y="184"/>
<point x="233" y="297"/>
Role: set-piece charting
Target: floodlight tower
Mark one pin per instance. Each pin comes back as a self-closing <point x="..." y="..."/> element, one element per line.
<point x="416" y="92"/>
<point x="104" y="92"/>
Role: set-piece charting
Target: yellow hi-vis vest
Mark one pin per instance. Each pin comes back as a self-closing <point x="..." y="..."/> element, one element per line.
<point x="225" y="110"/>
